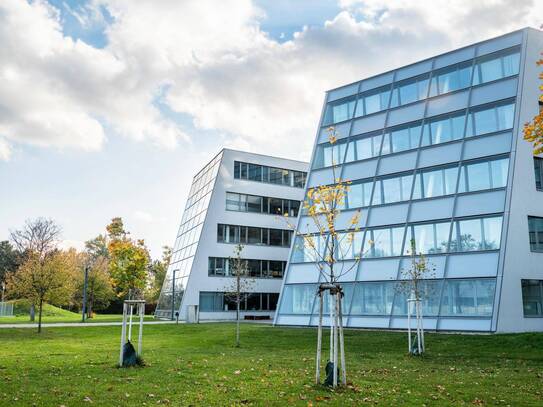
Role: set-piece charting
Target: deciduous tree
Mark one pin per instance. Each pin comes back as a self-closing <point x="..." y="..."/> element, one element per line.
<point x="128" y="260"/>
<point x="240" y="287"/>
<point x="44" y="280"/>
<point x="334" y="247"/>
<point x="36" y="241"/>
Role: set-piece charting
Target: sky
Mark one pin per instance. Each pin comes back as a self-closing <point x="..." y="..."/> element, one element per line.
<point x="109" y="107"/>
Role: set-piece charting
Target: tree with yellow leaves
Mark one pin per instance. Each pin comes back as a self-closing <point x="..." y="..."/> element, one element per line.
<point x="533" y="131"/>
<point x="334" y="252"/>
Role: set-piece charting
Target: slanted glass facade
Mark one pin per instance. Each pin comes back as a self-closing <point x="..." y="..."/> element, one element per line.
<point x="187" y="239"/>
<point x="430" y="150"/>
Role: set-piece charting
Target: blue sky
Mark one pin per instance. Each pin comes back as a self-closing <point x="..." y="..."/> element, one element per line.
<point x="108" y="107"/>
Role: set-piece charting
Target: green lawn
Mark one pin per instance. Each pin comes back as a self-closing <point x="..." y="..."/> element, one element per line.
<point x="197" y="365"/>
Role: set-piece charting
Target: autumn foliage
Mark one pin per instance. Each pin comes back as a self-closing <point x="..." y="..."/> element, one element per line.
<point x="533" y="131"/>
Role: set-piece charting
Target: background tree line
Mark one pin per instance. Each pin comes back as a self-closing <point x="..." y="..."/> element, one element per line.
<point x="33" y="267"/>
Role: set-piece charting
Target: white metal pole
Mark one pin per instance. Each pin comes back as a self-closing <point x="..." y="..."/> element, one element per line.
<point x="123" y="334"/>
<point x="341" y="343"/>
<point x="408" y="326"/>
<point x="141" y="309"/>
<point x="331" y="358"/>
<point x="335" y="342"/>
<point x="319" y="340"/>
<point x="130" y="324"/>
<point x="422" y="329"/>
<point x="418" y="325"/>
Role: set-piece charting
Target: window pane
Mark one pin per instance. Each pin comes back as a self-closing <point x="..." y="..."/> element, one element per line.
<point x="532" y="297"/>
<point x="470" y="232"/>
<point x="400" y="140"/>
<point x="255" y="172"/>
<point x="298" y="299"/>
<point x="276" y="176"/>
<point x="253" y="268"/>
<point x="391" y="190"/>
<point x="451" y="175"/>
<point x="232" y="202"/>
<point x="408" y="93"/>
<point x="499" y="172"/>
<point x="485" y="121"/>
<point x="538" y="170"/>
<point x="339" y="111"/>
<point x="373" y="103"/>
<point x="254" y="236"/>
<point x="490" y="70"/>
<point x="276" y="206"/>
<point x="294" y="208"/>
<point x="535" y="227"/>
<point x="276" y="269"/>
<point x="364" y="148"/>
<point x="441" y="131"/>
<point x="478" y="176"/>
<point x="506" y="116"/>
<point x="433" y="183"/>
<point x="300" y="179"/>
<point x="276" y="238"/>
<point x="473" y="297"/>
<point x="372" y="299"/>
<point x="492" y="230"/>
<point x="511" y="64"/>
<point x="424" y="239"/>
<point x="254" y="203"/>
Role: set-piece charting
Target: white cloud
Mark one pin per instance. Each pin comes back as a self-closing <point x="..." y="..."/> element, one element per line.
<point x="212" y="61"/>
<point x="143" y="216"/>
<point x="5" y="150"/>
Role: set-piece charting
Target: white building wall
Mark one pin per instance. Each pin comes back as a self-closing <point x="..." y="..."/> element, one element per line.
<point x="519" y="262"/>
<point x="208" y="246"/>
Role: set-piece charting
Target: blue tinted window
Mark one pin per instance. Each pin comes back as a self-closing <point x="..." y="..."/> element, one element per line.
<point x="339" y="111"/>
<point x="409" y="91"/>
<point x="468" y="297"/>
<point x="494" y="67"/>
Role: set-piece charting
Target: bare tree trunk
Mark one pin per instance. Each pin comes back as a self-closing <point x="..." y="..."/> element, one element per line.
<point x="32" y="313"/>
<point x="39" y="315"/>
<point x="89" y="305"/>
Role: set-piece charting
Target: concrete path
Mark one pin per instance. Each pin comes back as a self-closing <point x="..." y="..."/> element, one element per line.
<point x="78" y="324"/>
<point x="82" y="324"/>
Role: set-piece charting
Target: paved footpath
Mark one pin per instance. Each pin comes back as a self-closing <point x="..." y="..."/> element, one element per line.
<point x="77" y="324"/>
<point x="119" y="323"/>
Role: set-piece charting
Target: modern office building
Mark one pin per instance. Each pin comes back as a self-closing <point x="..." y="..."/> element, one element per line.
<point x="435" y="152"/>
<point x="237" y="197"/>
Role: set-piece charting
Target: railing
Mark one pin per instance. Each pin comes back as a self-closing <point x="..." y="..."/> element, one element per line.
<point x="6" y="309"/>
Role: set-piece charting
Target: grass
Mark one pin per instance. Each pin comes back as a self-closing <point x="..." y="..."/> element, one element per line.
<point x="52" y="314"/>
<point x="198" y="365"/>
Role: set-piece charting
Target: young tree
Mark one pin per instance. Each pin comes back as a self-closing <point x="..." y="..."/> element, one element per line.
<point x="128" y="260"/>
<point x="37" y="240"/>
<point x="533" y="130"/>
<point x="157" y="274"/>
<point x="414" y="285"/>
<point x="239" y="289"/>
<point x="43" y="280"/>
<point x="334" y="252"/>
